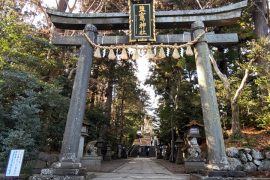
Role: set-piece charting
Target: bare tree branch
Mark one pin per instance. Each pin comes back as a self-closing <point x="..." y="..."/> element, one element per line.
<point x="222" y="76"/>
<point x="100" y="6"/>
<point x="71" y="73"/>
<point x="243" y="82"/>
<point x="198" y="2"/>
<point x="90" y="6"/>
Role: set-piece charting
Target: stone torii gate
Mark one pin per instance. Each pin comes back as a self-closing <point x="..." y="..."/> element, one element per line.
<point x="197" y="20"/>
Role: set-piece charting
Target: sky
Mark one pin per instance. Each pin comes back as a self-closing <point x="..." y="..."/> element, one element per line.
<point x="142" y="74"/>
<point x="49" y="3"/>
<point x="52" y="3"/>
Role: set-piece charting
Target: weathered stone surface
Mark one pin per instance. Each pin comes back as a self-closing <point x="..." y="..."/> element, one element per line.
<point x="257" y="162"/>
<point x="232" y="152"/>
<point x="72" y="134"/>
<point x="194" y="153"/>
<point x="194" y="167"/>
<point x="212" y="39"/>
<point x="66" y="172"/>
<point x="213" y="131"/>
<point x="267" y="154"/>
<point x="226" y="174"/>
<point x="257" y="155"/>
<point x="250" y="167"/>
<point x="235" y="164"/>
<point x="243" y="157"/>
<point x="48" y="171"/>
<point x="91" y="163"/>
<point x="247" y="150"/>
<point x="66" y="165"/>
<point x="68" y="157"/>
<point x="265" y="166"/>
<point x="249" y="157"/>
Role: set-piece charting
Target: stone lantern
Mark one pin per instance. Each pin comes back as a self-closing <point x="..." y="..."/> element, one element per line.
<point x="194" y="151"/>
<point x="194" y="129"/>
<point x="179" y="144"/>
<point x="84" y="133"/>
<point x="100" y="145"/>
<point x="194" y="161"/>
<point x="90" y="161"/>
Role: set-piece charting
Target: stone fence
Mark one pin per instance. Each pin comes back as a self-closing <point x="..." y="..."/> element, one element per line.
<point x="248" y="160"/>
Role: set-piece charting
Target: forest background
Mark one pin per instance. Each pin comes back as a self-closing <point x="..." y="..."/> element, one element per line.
<point x="36" y="80"/>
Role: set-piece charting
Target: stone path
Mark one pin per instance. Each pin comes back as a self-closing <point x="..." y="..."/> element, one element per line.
<point x="139" y="168"/>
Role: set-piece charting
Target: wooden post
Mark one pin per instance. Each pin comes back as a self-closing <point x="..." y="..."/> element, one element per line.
<point x="214" y="138"/>
<point x="76" y="111"/>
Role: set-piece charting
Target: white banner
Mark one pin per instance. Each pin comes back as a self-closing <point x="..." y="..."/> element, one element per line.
<point x="15" y="162"/>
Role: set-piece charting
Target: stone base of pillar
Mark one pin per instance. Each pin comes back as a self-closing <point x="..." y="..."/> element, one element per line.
<point x="62" y="171"/>
<point x="91" y="163"/>
<point x="223" y="166"/>
<point x="226" y="174"/>
<point x="194" y="166"/>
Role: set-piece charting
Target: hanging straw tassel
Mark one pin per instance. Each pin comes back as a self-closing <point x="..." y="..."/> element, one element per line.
<point x="189" y="51"/>
<point x="150" y="53"/>
<point x="124" y="54"/>
<point x="175" y="54"/>
<point x="135" y="55"/>
<point x="111" y="55"/>
<point x="161" y="53"/>
<point x="97" y="53"/>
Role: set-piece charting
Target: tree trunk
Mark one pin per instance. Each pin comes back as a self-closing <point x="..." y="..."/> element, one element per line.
<point x="260" y="18"/>
<point x="236" y="129"/>
<point x="109" y="91"/>
<point x="94" y="85"/>
<point x="108" y="103"/>
<point x="122" y="121"/>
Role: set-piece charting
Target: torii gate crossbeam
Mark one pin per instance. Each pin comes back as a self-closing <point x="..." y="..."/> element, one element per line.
<point x="220" y="16"/>
<point x="211" y="38"/>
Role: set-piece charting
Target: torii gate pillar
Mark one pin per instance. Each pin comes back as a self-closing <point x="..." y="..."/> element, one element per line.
<point x="214" y="138"/>
<point x="76" y="110"/>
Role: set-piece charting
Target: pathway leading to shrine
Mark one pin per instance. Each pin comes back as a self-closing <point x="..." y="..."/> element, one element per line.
<point x="139" y="168"/>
